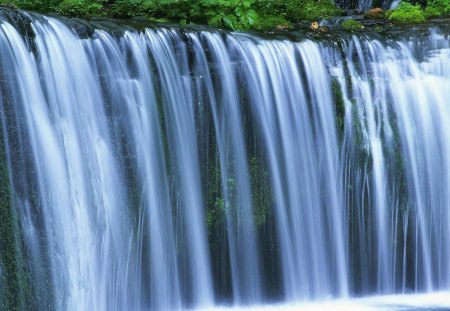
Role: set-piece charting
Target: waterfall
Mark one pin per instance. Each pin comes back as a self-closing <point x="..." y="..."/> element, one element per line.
<point x="170" y="168"/>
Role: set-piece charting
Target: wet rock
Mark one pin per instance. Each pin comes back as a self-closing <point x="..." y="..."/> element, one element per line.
<point x="314" y="26"/>
<point x="375" y="13"/>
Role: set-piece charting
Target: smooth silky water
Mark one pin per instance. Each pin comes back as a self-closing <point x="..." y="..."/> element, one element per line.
<point x="168" y="168"/>
<point x="418" y="302"/>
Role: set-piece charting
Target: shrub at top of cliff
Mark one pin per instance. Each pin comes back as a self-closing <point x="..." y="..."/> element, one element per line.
<point x="231" y="14"/>
<point x="437" y="8"/>
<point x="242" y="14"/>
<point x="80" y="8"/>
<point x="407" y="13"/>
<point x="33" y="5"/>
<point x="309" y="10"/>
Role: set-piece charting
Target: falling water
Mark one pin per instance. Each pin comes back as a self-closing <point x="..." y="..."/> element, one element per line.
<point x="172" y="168"/>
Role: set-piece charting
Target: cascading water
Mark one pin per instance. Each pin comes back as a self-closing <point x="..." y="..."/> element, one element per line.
<point x="168" y="168"/>
<point x="361" y="6"/>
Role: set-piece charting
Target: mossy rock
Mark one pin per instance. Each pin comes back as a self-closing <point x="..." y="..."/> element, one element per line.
<point x="351" y="25"/>
<point x="375" y="13"/>
<point x="378" y="28"/>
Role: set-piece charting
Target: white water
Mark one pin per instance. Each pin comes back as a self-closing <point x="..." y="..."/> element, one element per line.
<point x="436" y="301"/>
<point x="114" y="139"/>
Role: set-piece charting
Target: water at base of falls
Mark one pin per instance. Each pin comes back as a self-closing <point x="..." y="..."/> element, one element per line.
<point x="172" y="168"/>
<point x="421" y="302"/>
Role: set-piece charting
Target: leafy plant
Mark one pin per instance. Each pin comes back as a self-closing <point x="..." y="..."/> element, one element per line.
<point x="9" y="4"/>
<point x="234" y="14"/>
<point x="437" y="8"/>
<point x="407" y="13"/>
<point x="310" y="10"/>
<point x="79" y="8"/>
<point x="127" y="8"/>
<point x="37" y="5"/>
<point x="230" y="14"/>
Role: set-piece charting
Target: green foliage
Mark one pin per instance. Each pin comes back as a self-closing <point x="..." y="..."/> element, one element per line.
<point x="272" y="22"/>
<point x="351" y="25"/>
<point x="127" y="8"/>
<point x="407" y="13"/>
<point x="230" y="14"/>
<point x="388" y="13"/>
<point x="437" y="8"/>
<point x="431" y="11"/>
<point x="8" y="3"/>
<point x="34" y="5"/>
<point x="234" y="14"/>
<point x="80" y="8"/>
<point x="297" y="10"/>
<point x="310" y="10"/>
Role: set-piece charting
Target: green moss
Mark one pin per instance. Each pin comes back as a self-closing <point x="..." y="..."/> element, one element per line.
<point x="388" y="13"/>
<point x="407" y="13"/>
<point x="14" y="289"/>
<point x="215" y="212"/>
<point x="351" y="25"/>
<point x="339" y="103"/>
<point x="261" y="191"/>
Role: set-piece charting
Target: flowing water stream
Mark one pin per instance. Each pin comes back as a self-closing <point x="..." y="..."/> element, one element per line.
<point x="168" y="168"/>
